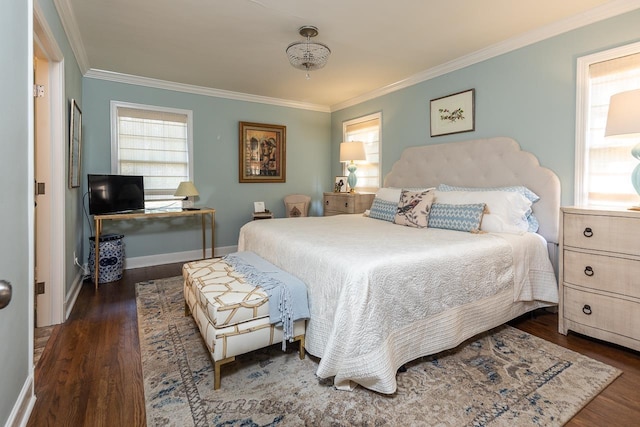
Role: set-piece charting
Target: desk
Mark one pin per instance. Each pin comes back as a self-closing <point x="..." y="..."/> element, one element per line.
<point x="148" y="214"/>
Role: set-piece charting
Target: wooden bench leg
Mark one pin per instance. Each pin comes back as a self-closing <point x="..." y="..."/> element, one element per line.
<point x="300" y="339"/>
<point x="216" y="370"/>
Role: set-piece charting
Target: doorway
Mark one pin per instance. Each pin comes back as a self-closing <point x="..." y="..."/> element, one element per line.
<point x="49" y="161"/>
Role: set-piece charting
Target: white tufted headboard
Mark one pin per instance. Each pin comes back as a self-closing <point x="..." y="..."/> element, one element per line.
<point x="489" y="162"/>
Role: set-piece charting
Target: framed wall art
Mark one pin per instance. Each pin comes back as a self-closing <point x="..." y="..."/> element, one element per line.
<point x="453" y="113"/>
<point x="262" y="152"/>
<point x="340" y="185"/>
<point x="75" y="144"/>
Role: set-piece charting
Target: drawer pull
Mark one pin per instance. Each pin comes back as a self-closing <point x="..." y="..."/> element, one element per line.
<point x="326" y="203"/>
<point x="587" y="309"/>
<point x="346" y="204"/>
<point x="588" y="232"/>
<point x="588" y="271"/>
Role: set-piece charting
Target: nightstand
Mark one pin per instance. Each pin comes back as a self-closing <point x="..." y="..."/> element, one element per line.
<point x="599" y="273"/>
<point x="262" y="215"/>
<point x="346" y="203"/>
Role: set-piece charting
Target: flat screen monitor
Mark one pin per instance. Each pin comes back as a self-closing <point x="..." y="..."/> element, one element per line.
<point x="115" y="193"/>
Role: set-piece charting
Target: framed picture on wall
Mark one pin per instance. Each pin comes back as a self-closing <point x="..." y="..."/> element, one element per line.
<point x="262" y="152"/>
<point x="75" y="144"/>
<point x="453" y="113"/>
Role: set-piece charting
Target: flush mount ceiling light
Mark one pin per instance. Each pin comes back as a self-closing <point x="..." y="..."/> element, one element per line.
<point x="307" y="55"/>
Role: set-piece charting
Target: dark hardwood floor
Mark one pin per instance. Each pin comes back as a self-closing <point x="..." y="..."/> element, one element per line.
<point x="90" y="372"/>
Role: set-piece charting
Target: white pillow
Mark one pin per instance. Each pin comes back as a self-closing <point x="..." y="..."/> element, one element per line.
<point x="507" y="209"/>
<point x="389" y="194"/>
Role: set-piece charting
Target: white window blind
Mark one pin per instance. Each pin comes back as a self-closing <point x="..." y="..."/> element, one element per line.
<point x="153" y="142"/>
<point x="607" y="163"/>
<point x="366" y="129"/>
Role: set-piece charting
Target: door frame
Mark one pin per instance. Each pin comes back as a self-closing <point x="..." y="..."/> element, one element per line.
<point x="55" y="297"/>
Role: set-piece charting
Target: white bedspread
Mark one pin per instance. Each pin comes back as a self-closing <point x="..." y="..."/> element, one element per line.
<point x="371" y="283"/>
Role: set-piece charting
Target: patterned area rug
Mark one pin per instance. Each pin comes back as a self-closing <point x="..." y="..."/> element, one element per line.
<point x="505" y="377"/>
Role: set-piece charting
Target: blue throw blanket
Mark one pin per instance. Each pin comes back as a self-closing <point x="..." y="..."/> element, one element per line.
<point x="287" y="294"/>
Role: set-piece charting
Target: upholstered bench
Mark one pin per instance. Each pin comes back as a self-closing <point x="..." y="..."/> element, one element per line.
<point x="231" y="312"/>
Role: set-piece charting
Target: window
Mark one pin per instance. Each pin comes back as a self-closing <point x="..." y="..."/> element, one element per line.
<point x="154" y="142"/>
<point x="604" y="165"/>
<point x="368" y="130"/>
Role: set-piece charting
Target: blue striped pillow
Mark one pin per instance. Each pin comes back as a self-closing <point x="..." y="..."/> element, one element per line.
<point x="383" y="209"/>
<point x="456" y="217"/>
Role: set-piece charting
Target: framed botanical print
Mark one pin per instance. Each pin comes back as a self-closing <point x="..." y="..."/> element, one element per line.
<point x="262" y="153"/>
<point x="453" y="113"/>
<point x="75" y="144"/>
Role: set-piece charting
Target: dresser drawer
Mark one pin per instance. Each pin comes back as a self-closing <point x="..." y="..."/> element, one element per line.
<point x="603" y="272"/>
<point x="348" y="203"/>
<point x="602" y="312"/>
<point x="340" y="203"/>
<point x="602" y="233"/>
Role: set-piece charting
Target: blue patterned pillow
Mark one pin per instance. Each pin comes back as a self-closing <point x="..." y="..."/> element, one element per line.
<point x="531" y="218"/>
<point x="383" y="209"/>
<point x="457" y="217"/>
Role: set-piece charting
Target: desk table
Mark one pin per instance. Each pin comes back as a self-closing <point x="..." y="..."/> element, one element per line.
<point x="148" y="214"/>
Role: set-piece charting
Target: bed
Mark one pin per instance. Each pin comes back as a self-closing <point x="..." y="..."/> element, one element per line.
<point x="382" y="294"/>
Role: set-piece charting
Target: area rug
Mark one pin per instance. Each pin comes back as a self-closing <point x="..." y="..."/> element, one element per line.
<point x="505" y="377"/>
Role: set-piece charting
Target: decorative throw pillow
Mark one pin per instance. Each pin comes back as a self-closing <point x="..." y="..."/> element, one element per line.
<point x="457" y="217"/>
<point x="383" y="209"/>
<point x="413" y="208"/>
<point x="295" y="209"/>
<point x="506" y="210"/>
<point x="532" y="221"/>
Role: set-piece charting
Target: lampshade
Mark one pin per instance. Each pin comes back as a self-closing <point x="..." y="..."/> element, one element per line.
<point x="623" y="118"/>
<point x="307" y="55"/>
<point x="352" y="151"/>
<point x="186" y="189"/>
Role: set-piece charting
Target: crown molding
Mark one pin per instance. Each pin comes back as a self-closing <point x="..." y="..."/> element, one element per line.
<point x="200" y="90"/>
<point x="70" y="25"/>
<point x="608" y="10"/>
<point x="591" y="16"/>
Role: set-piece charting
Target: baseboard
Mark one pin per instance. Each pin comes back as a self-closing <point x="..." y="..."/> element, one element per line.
<point x="151" y="260"/>
<point x="19" y="416"/>
<point x="145" y="261"/>
<point x="72" y="295"/>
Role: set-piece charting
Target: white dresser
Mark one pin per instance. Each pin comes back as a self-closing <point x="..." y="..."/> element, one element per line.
<point x="600" y="274"/>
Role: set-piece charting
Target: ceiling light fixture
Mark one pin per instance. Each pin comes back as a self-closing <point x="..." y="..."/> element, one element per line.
<point x="307" y="55"/>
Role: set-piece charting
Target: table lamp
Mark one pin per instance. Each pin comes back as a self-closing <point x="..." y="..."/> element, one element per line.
<point x="187" y="190"/>
<point x="352" y="152"/>
<point x="623" y="120"/>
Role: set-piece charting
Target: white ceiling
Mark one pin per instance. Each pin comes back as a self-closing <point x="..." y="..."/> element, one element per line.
<point x="239" y="45"/>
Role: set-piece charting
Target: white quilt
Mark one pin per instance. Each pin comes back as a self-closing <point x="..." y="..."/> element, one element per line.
<point x="372" y="284"/>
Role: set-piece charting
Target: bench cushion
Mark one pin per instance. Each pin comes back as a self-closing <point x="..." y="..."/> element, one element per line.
<point x="224" y="296"/>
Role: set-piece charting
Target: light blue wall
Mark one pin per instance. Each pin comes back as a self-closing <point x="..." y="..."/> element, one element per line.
<point x="14" y="220"/>
<point x="528" y="94"/>
<point x="215" y="146"/>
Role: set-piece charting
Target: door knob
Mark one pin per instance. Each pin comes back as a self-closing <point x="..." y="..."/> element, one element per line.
<point x="5" y="293"/>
